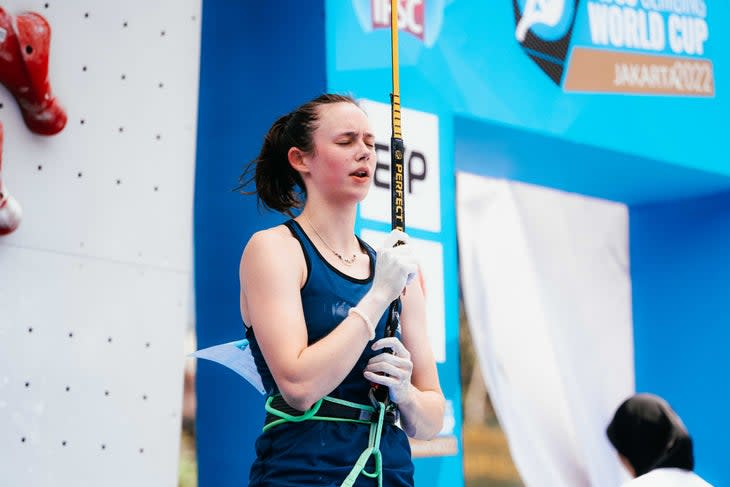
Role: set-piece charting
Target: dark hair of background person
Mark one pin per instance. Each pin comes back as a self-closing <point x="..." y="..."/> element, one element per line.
<point x="650" y="435"/>
<point x="278" y="186"/>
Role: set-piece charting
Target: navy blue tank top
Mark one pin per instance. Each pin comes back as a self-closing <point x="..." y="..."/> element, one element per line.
<point x="323" y="452"/>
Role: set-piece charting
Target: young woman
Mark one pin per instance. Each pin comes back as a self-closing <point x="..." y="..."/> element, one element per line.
<point x="314" y="299"/>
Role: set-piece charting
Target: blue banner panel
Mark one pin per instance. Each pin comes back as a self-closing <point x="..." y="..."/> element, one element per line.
<point x="502" y="151"/>
<point x="257" y="63"/>
<point x="680" y="267"/>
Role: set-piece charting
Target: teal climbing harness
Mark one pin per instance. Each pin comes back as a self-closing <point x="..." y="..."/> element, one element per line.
<point x="333" y="409"/>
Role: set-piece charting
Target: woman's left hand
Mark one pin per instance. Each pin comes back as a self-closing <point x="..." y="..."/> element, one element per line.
<point x="396" y="365"/>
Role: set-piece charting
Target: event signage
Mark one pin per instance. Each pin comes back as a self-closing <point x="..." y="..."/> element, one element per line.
<point x="648" y="47"/>
<point x="422" y="19"/>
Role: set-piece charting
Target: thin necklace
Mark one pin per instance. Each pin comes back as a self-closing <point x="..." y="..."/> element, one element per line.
<point x="345" y="260"/>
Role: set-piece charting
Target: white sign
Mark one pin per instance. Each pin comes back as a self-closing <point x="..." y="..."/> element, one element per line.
<point x="431" y="259"/>
<point x="421" y="160"/>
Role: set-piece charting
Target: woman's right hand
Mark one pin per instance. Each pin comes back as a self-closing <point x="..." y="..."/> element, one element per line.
<point x="396" y="266"/>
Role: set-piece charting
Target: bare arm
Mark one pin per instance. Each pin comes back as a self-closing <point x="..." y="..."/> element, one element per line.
<point x="271" y="274"/>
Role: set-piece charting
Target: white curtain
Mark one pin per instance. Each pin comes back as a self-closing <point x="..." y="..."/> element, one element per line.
<point x="546" y="284"/>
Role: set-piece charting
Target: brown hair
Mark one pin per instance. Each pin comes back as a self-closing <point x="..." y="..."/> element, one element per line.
<point x="276" y="181"/>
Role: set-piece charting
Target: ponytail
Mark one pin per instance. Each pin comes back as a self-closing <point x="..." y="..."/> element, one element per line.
<point x="275" y="179"/>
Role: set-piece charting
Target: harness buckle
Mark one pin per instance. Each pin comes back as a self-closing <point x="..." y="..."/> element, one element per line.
<point x="390" y="408"/>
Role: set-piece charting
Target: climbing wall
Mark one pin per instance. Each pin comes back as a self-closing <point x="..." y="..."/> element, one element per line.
<point x="95" y="282"/>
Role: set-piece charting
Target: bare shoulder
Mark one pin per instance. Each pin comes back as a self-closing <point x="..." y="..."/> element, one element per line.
<point x="272" y="239"/>
<point x="274" y="248"/>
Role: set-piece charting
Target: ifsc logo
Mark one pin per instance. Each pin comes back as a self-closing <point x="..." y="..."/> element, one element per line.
<point x="544" y="28"/>
<point x="421" y="18"/>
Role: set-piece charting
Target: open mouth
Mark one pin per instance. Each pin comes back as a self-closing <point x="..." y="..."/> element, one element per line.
<point x="360" y="173"/>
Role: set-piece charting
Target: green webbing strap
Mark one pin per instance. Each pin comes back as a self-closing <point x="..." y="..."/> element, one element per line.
<point x="373" y="449"/>
<point x="285" y="417"/>
<point x="376" y="430"/>
<point x="311" y="413"/>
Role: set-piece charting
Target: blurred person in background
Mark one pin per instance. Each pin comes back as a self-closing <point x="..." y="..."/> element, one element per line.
<point x="653" y="444"/>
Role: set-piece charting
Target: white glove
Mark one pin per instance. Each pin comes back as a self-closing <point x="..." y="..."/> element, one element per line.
<point x="397" y="366"/>
<point x="395" y="266"/>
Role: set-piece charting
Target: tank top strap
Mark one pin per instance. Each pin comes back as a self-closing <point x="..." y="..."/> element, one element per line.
<point x="307" y="246"/>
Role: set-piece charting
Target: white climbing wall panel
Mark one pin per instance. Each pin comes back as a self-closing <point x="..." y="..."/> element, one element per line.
<point x="95" y="283"/>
